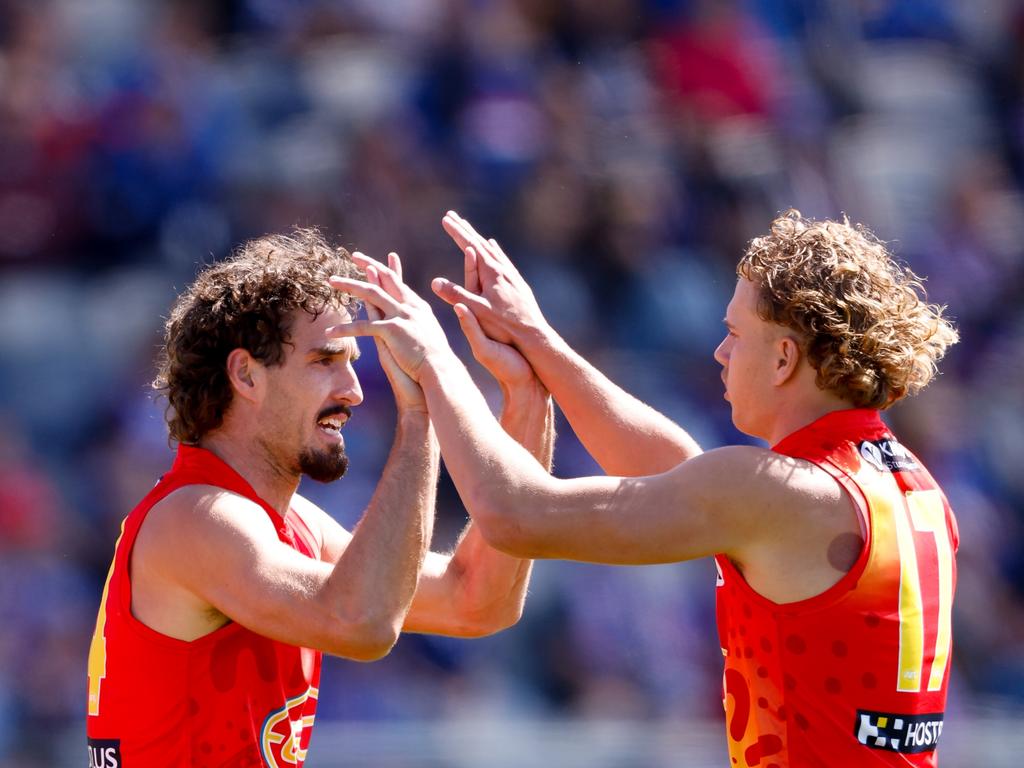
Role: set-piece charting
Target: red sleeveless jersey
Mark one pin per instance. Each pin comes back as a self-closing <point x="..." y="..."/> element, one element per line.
<point x="229" y="698"/>
<point x="857" y="675"/>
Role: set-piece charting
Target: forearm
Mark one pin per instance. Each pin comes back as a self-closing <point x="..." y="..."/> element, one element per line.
<point x="528" y="417"/>
<point x="493" y="583"/>
<point x="479" y="590"/>
<point x="496" y="477"/>
<point x="376" y="575"/>
<point x="625" y="436"/>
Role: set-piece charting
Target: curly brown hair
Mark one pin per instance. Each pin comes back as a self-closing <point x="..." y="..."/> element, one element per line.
<point x="242" y="302"/>
<point x="864" y="320"/>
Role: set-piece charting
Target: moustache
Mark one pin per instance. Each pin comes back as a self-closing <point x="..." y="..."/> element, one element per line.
<point x="334" y="410"/>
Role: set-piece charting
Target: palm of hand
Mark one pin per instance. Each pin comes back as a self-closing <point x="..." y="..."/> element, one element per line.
<point x="503" y="302"/>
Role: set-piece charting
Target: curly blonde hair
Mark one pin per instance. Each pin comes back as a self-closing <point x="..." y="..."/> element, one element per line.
<point x="243" y="302"/>
<point x="865" y="322"/>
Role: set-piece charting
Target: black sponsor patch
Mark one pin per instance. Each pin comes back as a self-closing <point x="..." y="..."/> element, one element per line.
<point x="887" y="455"/>
<point x="908" y="734"/>
<point x="105" y="753"/>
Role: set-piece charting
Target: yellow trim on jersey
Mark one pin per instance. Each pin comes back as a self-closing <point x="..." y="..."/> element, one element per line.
<point x="929" y="516"/>
<point x="98" y="646"/>
<point x="911" y="610"/>
<point x="907" y="512"/>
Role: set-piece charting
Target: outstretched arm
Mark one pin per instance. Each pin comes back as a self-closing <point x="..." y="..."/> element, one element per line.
<point x="477" y="590"/>
<point x="625" y="436"/>
<point x="715" y="503"/>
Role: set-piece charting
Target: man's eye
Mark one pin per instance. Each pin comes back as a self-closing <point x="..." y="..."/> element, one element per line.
<point x="325" y="361"/>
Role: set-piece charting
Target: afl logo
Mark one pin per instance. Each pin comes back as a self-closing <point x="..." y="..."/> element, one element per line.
<point x="887" y="456"/>
<point x="872" y="454"/>
<point x="286" y="731"/>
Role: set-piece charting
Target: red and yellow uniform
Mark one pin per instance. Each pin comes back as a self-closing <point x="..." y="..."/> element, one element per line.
<point x="857" y="675"/>
<point x="230" y="698"/>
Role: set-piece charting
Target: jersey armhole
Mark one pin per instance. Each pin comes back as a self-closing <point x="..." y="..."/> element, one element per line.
<point x="856" y="497"/>
<point x="304" y="532"/>
<point x="845" y="583"/>
<point x="133" y="623"/>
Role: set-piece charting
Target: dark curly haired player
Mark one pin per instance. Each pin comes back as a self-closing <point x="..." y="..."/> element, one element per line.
<point x="226" y="584"/>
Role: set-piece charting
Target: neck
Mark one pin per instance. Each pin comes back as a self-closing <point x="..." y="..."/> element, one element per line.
<point x="800" y="412"/>
<point x="247" y="456"/>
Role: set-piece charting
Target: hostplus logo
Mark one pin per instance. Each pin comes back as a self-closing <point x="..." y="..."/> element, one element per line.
<point x="907" y="734"/>
<point x="104" y="753"/>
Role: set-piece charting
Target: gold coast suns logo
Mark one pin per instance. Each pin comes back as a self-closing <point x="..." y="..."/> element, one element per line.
<point x="285" y="733"/>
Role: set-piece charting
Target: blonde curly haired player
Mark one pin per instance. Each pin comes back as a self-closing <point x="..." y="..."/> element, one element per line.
<point x="834" y="547"/>
<point x="868" y="332"/>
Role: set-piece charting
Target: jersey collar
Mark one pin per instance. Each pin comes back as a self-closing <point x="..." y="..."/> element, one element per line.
<point x="850" y="424"/>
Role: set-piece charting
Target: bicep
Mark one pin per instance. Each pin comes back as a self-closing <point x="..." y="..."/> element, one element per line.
<point x="239" y="566"/>
<point x="707" y="505"/>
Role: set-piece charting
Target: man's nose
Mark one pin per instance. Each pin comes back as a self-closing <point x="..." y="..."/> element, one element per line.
<point x="720" y="354"/>
<point x="348" y="390"/>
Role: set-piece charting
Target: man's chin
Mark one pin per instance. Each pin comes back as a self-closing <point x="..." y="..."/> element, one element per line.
<point x="323" y="466"/>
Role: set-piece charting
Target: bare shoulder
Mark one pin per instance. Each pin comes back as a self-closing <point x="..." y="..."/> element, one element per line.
<point x="766" y="497"/>
<point x="195" y="518"/>
<point x="738" y="474"/>
<point x="207" y="505"/>
<point x="194" y="537"/>
<point x="801" y="528"/>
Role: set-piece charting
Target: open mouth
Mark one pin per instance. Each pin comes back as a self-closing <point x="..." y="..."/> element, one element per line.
<point x="332" y="422"/>
<point x="331" y="426"/>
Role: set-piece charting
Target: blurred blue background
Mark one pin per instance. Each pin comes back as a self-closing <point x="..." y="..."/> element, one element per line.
<point x="623" y="152"/>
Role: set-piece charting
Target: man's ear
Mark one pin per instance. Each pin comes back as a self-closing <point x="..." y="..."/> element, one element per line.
<point x="245" y="374"/>
<point x="788" y="359"/>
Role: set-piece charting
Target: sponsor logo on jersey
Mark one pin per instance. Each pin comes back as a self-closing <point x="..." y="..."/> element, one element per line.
<point x="908" y="734"/>
<point x="888" y="456"/>
<point x="285" y="733"/>
<point x="105" y="753"/>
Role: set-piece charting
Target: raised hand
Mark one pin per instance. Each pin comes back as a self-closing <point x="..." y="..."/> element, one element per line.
<point x="624" y="435"/>
<point x="502" y="361"/>
<point x="499" y="297"/>
<point x="402" y="319"/>
<point x="408" y="395"/>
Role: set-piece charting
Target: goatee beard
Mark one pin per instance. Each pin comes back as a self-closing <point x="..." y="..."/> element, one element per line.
<point x="323" y="466"/>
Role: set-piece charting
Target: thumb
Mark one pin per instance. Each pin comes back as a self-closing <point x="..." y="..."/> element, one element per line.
<point x="454" y="293"/>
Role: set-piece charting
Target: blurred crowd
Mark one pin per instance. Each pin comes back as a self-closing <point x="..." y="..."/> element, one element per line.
<point x="622" y="151"/>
